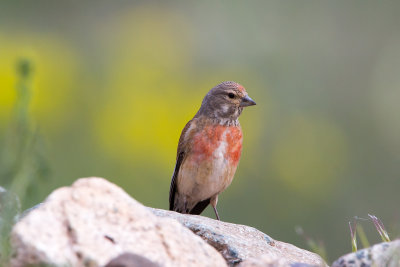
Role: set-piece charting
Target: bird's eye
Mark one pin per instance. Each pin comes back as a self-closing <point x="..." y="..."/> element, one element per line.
<point x="231" y="95"/>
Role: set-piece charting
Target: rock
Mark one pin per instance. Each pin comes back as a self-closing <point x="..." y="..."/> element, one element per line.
<point x="131" y="260"/>
<point x="93" y="222"/>
<point x="383" y="254"/>
<point x="265" y="261"/>
<point x="271" y="261"/>
<point x="239" y="243"/>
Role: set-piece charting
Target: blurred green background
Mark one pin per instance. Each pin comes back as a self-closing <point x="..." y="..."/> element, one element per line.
<point x="111" y="84"/>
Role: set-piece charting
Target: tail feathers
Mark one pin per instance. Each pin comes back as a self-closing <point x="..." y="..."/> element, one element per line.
<point x="196" y="210"/>
<point x="200" y="206"/>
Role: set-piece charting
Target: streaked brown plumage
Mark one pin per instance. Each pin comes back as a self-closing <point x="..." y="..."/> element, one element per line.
<point x="209" y="150"/>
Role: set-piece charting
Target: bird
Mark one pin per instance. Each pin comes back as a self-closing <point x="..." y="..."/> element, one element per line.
<point x="209" y="150"/>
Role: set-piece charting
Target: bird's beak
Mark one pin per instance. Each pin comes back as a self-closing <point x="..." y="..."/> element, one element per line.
<point x="247" y="101"/>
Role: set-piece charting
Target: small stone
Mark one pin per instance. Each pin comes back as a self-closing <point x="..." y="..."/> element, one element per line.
<point x="383" y="254"/>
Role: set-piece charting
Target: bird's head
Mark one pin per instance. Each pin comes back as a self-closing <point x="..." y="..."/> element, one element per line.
<point x="225" y="101"/>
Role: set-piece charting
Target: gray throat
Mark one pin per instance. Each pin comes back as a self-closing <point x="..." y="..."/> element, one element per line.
<point x="225" y="121"/>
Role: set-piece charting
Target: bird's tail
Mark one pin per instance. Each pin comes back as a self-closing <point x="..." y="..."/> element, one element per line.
<point x="200" y="206"/>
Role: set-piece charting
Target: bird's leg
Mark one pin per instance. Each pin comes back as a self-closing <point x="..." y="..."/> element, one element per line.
<point x="213" y="202"/>
<point x="216" y="212"/>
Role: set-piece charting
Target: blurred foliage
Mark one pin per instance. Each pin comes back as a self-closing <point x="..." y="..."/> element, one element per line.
<point x="315" y="155"/>
<point x="317" y="247"/>
<point x="23" y="166"/>
<point x="115" y="82"/>
<point x="10" y="207"/>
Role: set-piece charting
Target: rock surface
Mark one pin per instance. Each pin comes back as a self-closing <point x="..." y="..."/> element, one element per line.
<point x="271" y="261"/>
<point x="383" y="254"/>
<point x="240" y="243"/>
<point x="131" y="260"/>
<point x="94" y="221"/>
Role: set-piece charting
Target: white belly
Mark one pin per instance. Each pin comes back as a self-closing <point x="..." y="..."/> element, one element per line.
<point x="201" y="180"/>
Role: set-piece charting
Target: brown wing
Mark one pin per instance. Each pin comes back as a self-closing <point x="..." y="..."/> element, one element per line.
<point x="180" y="156"/>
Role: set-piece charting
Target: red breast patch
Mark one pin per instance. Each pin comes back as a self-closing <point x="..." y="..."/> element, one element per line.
<point x="234" y="139"/>
<point x="210" y="138"/>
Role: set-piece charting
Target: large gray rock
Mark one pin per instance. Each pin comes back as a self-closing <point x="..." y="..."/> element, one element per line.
<point x="384" y="254"/>
<point x="94" y="221"/>
<point x="244" y="244"/>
